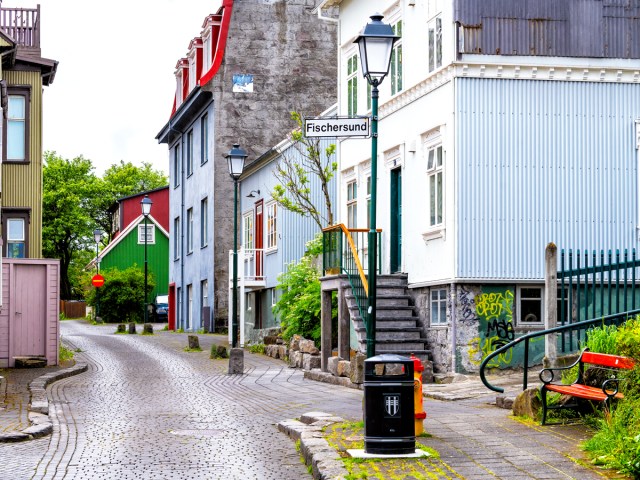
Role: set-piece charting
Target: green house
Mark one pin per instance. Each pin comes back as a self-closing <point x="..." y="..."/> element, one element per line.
<point x="127" y="250"/>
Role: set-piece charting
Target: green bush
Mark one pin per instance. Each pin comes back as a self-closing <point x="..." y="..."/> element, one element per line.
<point x="617" y="442"/>
<point x="122" y="295"/>
<point x="299" y="305"/>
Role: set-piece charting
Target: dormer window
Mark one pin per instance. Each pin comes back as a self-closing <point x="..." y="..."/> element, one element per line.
<point x="192" y="70"/>
<point x="182" y="81"/>
<point x="194" y="59"/>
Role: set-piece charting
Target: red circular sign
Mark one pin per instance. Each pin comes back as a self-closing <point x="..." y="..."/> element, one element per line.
<point x="97" y="280"/>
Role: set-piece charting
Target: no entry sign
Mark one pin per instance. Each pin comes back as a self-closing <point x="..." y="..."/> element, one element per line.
<point x="97" y="280"/>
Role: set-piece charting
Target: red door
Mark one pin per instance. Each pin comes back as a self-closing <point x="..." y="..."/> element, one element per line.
<point x="258" y="236"/>
<point x="171" y="320"/>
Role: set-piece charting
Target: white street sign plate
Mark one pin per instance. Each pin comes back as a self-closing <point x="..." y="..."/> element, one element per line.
<point x="337" y="127"/>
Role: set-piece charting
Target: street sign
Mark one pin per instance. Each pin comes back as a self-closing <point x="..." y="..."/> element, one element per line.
<point x="97" y="280"/>
<point x="337" y="127"/>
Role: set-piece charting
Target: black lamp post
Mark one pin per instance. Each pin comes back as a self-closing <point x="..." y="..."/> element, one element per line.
<point x="145" y="203"/>
<point x="97" y="236"/>
<point x="376" y="45"/>
<point x="235" y="160"/>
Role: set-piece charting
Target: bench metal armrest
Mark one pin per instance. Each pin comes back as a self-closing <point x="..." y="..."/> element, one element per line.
<point x="547" y="375"/>
<point x="610" y="387"/>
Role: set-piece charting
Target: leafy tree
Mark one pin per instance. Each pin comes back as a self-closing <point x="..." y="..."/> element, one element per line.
<point x="121" y="180"/>
<point x="122" y="295"/>
<point x="294" y="191"/>
<point x="69" y="187"/>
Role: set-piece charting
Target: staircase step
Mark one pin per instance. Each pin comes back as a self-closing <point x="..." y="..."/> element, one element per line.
<point x="392" y="280"/>
<point x="393" y="333"/>
<point x="385" y="300"/>
<point x="398" y="344"/>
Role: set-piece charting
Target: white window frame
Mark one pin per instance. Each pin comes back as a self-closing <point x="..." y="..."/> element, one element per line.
<point x="189" y="307"/>
<point x="190" y="153"/>
<point x="204" y="293"/>
<point x="352" y="204"/>
<point x="521" y="296"/>
<point x="192" y="68"/>
<point x="151" y="233"/>
<point x="248" y="242"/>
<point x="204" y="139"/>
<point x="352" y="68"/>
<point x="19" y="240"/>
<point x="435" y="157"/>
<point x="176" y="238"/>
<point x="177" y="165"/>
<point x="271" y="226"/>
<point x="434" y="43"/>
<point x="395" y="68"/>
<point x="17" y="144"/>
<point x="435" y="306"/>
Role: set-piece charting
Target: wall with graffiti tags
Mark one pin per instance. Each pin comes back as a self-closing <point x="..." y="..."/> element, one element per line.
<point x="485" y="320"/>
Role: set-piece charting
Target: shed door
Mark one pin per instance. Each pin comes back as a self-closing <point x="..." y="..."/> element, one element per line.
<point x="28" y="315"/>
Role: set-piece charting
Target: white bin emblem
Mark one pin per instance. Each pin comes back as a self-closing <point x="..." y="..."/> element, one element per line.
<point x="392" y="405"/>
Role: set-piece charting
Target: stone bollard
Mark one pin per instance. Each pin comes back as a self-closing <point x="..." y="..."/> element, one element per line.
<point x="194" y="342"/>
<point x="122" y="328"/>
<point x="147" y="329"/>
<point x="236" y="361"/>
<point x="132" y="327"/>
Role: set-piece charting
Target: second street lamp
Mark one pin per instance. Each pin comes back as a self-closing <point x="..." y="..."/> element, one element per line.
<point x="146" y="203"/>
<point x="235" y="160"/>
<point x="376" y="45"/>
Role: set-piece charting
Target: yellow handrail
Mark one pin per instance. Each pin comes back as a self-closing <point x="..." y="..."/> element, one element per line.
<point x="354" y="250"/>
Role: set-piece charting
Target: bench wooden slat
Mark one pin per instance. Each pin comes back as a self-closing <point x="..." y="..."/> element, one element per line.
<point x="582" y="391"/>
<point x="607" y="360"/>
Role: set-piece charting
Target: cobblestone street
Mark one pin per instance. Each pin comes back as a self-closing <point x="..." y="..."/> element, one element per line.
<point x="148" y="410"/>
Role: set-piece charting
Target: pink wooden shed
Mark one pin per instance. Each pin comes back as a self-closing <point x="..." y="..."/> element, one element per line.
<point x="29" y="316"/>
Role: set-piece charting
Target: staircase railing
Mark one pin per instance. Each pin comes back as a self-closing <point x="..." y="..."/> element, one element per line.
<point x="342" y="249"/>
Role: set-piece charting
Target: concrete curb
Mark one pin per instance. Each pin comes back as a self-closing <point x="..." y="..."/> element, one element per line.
<point x="315" y="450"/>
<point x="39" y="407"/>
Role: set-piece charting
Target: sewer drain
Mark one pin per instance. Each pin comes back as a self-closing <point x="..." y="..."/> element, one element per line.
<point x="198" y="433"/>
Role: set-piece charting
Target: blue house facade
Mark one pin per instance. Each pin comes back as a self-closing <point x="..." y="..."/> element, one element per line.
<point x="504" y="126"/>
<point x="272" y="237"/>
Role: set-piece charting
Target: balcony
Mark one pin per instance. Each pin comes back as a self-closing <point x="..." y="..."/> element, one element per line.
<point x="23" y="26"/>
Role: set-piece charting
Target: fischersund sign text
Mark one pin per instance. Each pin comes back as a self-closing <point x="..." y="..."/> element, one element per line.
<point x="337" y="127"/>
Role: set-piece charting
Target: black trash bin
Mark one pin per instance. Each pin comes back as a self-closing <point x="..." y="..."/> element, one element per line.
<point x="389" y="405"/>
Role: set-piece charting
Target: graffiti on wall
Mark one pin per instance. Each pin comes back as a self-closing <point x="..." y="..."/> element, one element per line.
<point x="494" y="311"/>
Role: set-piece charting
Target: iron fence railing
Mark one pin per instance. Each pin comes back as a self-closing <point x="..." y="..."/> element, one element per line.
<point x="345" y="251"/>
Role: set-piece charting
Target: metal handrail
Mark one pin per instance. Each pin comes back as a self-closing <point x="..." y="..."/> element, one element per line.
<point x="354" y="250"/>
<point x="527" y="337"/>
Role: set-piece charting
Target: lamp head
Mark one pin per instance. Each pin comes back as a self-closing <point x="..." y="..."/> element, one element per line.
<point x="146" y="203"/>
<point x="97" y="235"/>
<point x="235" y="161"/>
<point x="376" y="45"/>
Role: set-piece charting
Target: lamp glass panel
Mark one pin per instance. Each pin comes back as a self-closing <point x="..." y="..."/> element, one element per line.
<point x="378" y="55"/>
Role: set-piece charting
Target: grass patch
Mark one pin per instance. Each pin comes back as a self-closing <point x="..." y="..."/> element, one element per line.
<point x="257" y="348"/>
<point x="187" y="349"/>
<point x="66" y="354"/>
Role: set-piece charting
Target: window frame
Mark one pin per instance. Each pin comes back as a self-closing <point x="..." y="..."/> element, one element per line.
<point x="519" y="300"/>
<point x="15" y="214"/>
<point x="189" y="230"/>
<point x="177" y="165"/>
<point x="25" y="92"/>
<point x="434" y="171"/>
<point x="204" y="139"/>
<point x="177" y="246"/>
<point x="434" y="43"/>
<point x="271" y="225"/>
<point x="204" y="222"/>
<point x="352" y="68"/>
<point x="151" y="233"/>
<point x="248" y="222"/>
<point x="352" y="204"/>
<point x="189" y="153"/>
<point x="395" y="67"/>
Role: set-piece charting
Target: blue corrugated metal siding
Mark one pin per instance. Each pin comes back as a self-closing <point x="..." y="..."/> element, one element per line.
<point x="540" y="162"/>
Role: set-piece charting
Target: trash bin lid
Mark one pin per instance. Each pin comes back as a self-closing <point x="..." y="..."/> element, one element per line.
<point x="388" y="367"/>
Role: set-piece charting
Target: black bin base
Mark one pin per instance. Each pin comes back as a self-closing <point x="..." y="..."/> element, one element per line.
<point x="389" y="446"/>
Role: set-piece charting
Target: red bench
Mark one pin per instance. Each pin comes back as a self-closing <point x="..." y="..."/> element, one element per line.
<point x="606" y="392"/>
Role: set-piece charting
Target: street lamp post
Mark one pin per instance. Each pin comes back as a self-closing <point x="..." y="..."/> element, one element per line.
<point x="97" y="236"/>
<point x="146" y="203"/>
<point x="376" y="45"/>
<point x="235" y="160"/>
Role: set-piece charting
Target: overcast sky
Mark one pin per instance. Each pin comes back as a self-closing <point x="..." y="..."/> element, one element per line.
<point x="115" y="83"/>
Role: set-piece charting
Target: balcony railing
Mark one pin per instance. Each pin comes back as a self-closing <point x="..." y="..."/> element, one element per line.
<point x="22" y="25"/>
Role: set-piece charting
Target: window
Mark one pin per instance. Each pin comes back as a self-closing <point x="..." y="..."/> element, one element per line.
<point x="179" y="307"/>
<point x="352" y="205"/>
<point x="204" y="222"/>
<point x="435" y="180"/>
<point x="204" y="293"/>
<point x="206" y="46"/>
<point x="189" y="231"/>
<point x="530" y="305"/>
<point x="439" y="306"/>
<point x="176" y="238"/>
<point x="189" y="153"/>
<point x="274" y="297"/>
<point x="192" y="70"/>
<point x="272" y="233"/>
<point x="16" y="126"/>
<point x="204" y="139"/>
<point x="396" y="60"/>
<point x="189" y="307"/>
<point x="16" y="238"/>
<point x="150" y="236"/>
<point x="352" y="85"/>
<point x="435" y="43"/>
<point x="247" y="231"/>
<point x="176" y="166"/>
